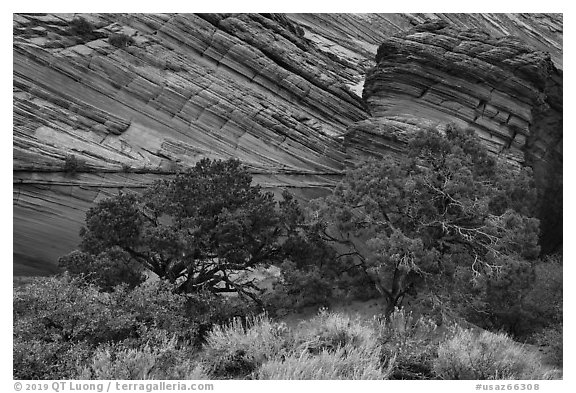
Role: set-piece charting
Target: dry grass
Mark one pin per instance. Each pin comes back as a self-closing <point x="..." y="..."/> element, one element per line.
<point x="346" y="362"/>
<point x="468" y="355"/>
<point x="329" y="331"/>
<point x="237" y="349"/>
<point x="328" y="346"/>
<point x="163" y="359"/>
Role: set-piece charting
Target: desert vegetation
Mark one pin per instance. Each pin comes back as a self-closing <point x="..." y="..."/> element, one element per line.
<point x="80" y="27"/>
<point x="164" y="284"/>
<point x="120" y="40"/>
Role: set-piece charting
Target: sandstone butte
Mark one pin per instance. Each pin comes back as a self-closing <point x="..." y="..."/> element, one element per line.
<point x="298" y="98"/>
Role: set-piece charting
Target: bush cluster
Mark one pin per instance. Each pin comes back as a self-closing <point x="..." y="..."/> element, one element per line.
<point x="485" y="355"/>
<point x="143" y="298"/>
<point x="80" y="27"/>
<point x="156" y="356"/>
<point x="329" y="346"/>
<point x="60" y="322"/>
<point x="237" y="349"/>
<point x="68" y="328"/>
<point x="120" y="40"/>
<point x="552" y="337"/>
<point x="334" y="346"/>
<point x="412" y="342"/>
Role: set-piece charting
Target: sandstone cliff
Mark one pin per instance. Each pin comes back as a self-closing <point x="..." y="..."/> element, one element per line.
<point x="507" y="92"/>
<point x="279" y="92"/>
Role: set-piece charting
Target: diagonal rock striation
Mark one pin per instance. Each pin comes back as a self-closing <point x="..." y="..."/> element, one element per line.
<point x="279" y="92"/>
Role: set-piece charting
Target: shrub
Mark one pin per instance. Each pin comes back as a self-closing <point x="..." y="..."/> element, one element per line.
<point x="551" y="337"/>
<point x="57" y="322"/>
<point x="298" y="288"/>
<point x="487" y="356"/>
<point x="237" y="349"/>
<point x="126" y="168"/>
<point x="331" y="331"/>
<point x="157" y="304"/>
<point x="60" y="321"/>
<point x="68" y="310"/>
<point x="72" y="164"/>
<point x="120" y="40"/>
<point x="160" y="359"/>
<point x="108" y="269"/>
<point x="80" y="27"/>
<point x="412" y="342"/>
<point x="35" y="358"/>
<point x="542" y="302"/>
<point x="329" y="346"/>
<point x="347" y="362"/>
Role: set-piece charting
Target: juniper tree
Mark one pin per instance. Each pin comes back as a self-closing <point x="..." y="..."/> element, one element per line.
<point x="447" y="215"/>
<point x="200" y="229"/>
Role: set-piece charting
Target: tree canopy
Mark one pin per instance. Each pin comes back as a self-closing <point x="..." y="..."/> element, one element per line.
<point x="200" y="229"/>
<point x="446" y="214"/>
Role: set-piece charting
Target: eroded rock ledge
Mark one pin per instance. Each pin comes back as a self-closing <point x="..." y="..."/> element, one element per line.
<point x="509" y="93"/>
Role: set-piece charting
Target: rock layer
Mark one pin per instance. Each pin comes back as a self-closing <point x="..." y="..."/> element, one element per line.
<point x="507" y="92"/>
<point x="190" y="86"/>
<point x="278" y="92"/>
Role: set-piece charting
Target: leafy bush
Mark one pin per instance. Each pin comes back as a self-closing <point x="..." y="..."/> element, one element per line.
<point x="35" y="358"/>
<point x="107" y="269"/>
<point x="543" y="301"/>
<point x="299" y="288"/>
<point x="57" y="323"/>
<point x="60" y="321"/>
<point x="237" y="349"/>
<point x="551" y="337"/>
<point x="120" y="40"/>
<point x="68" y="310"/>
<point x="312" y="273"/>
<point x="487" y="356"/>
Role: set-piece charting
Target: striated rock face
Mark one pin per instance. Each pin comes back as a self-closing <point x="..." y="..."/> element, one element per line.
<point x="190" y="86"/>
<point x="246" y="86"/>
<point x="278" y="92"/>
<point x="509" y="93"/>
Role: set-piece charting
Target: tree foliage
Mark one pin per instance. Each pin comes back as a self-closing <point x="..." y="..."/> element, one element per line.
<point x="448" y="215"/>
<point x="107" y="269"/>
<point x="201" y="229"/>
